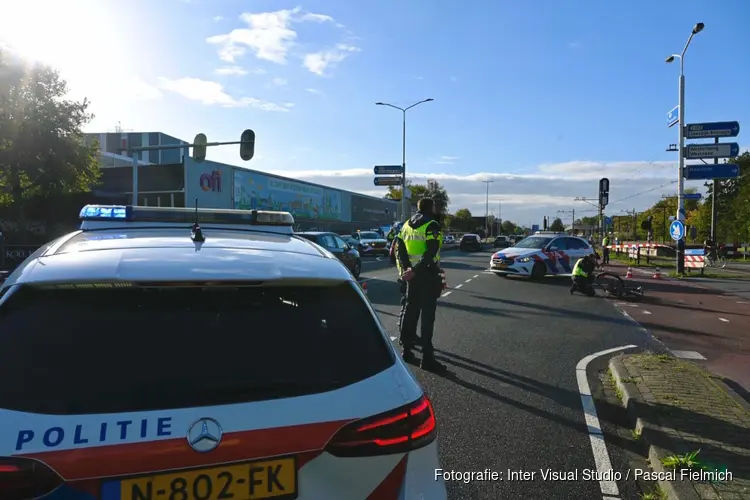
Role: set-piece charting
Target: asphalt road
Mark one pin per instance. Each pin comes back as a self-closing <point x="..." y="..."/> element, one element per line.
<point x="511" y="400"/>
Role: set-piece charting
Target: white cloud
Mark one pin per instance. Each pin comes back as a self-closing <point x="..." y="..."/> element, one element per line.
<point x="270" y="36"/>
<point x="137" y="89"/>
<point x="314" y="91"/>
<point x="213" y="94"/>
<point x="526" y="198"/>
<point x="218" y="18"/>
<point x="319" y="62"/>
<point x="231" y="71"/>
<point x="279" y="82"/>
<point x="447" y="160"/>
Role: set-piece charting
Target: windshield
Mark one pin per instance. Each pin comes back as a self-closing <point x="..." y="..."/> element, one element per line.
<point x="369" y="235"/>
<point x="533" y="242"/>
<point x="140" y="349"/>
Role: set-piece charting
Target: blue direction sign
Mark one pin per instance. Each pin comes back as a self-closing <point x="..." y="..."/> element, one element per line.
<point x="692" y="196"/>
<point x="677" y="230"/>
<point x="387" y="181"/>
<point x="720" y="171"/>
<point x="711" y="130"/>
<point x="725" y="150"/>
<point x="608" y="221"/>
<point x="534" y="228"/>
<point x="673" y="116"/>
<point x="388" y="170"/>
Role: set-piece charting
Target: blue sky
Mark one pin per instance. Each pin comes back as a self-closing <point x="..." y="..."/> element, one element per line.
<point x="543" y="97"/>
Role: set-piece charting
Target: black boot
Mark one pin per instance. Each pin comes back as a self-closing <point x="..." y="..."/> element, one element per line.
<point x="430" y="364"/>
<point x="409" y="357"/>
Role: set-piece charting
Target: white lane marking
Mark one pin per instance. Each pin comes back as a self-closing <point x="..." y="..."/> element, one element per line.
<point x="598" y="446"/>
<point x="393" y="339"/>
<point x="475" y="276"/>
<point x="646" y="312"/>
<point x="725" y="320"/>
<point x="742" y="302"/>
<point x="688" y="355"/>
<point x="445" y="295"/>
<point x="468" y="280"/>
<point x="457" y="286"/>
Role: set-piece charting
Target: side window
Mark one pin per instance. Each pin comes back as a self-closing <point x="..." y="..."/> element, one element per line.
<point x="326" y="240"/>
<point x="574" y="244"/>
<point x="339" y="242"/>
<point x="559" y="243"/>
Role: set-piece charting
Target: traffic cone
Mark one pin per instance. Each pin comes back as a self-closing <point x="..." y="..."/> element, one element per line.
<point x="657" y="274"/>
<point x="630" y="273"/>
<point x="364" y="287"/>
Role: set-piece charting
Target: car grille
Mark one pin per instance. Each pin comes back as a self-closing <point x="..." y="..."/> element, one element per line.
<point x="378" y="245"/>
<point x="505" y="260"/>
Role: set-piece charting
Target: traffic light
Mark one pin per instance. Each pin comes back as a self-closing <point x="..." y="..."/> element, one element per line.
<point x="199" y="148"/>
<point x="545" y="222"/>
<point x="603" y="192"/>
<point x="247" y="148"/>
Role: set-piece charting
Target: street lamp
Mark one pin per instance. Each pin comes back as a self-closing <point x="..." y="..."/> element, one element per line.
<point x="487" y="211"/>
<point x="681" y="144"/>
<point x="403" y="150"/>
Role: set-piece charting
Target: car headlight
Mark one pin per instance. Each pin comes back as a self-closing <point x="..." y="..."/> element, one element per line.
<point x="525" y="259"/>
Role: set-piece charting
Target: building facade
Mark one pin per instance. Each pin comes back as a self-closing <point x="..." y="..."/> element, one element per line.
<point x="173" y="178"/>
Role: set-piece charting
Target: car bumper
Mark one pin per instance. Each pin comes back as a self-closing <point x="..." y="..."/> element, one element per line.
<point x="516" y="268"/>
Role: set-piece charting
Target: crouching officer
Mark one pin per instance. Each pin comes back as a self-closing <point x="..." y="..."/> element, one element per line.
<point x="583" y="275"/>
<point x="418" y="260"/>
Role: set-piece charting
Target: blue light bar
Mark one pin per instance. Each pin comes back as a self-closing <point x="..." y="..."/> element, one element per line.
<point x="106" y="212"/>
<point x="123" y="213"/>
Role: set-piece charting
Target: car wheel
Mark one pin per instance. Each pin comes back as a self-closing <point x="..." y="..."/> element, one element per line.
<point x="538" y="271"/>
<point x="357" y="268"/>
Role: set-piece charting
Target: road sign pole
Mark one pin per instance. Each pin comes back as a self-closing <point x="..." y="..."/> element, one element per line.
<point x="680" y="178"/>
<point x="713" y="199"/>
<point x="404" y="203"/>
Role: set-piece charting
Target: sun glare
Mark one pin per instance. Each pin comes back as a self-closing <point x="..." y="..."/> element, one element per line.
<point x="63" y="34"/>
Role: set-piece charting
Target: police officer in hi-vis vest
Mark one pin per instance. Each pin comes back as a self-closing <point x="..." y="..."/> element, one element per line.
<point x="418" y="260"/>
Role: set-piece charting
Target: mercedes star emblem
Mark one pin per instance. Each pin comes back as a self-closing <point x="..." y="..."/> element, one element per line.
<point x="204" y="435"/>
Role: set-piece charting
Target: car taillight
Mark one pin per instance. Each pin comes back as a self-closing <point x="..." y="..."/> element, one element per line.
<point x="24" y="479"/>
<point x="397" y="431"/>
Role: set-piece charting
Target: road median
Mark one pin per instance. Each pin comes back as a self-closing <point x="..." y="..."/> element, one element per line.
<point x="697" y="428"/>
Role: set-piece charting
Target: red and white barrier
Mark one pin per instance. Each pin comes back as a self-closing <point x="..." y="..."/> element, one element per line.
<point x="695" y="261"/>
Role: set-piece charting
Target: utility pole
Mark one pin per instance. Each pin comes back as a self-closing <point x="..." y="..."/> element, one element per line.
<point x="714" y="188"/>
<point x="681" y="144"/>
<point x="487" y="210"/>
<point x="404" y="216"/>
<point x="573" y="214"/>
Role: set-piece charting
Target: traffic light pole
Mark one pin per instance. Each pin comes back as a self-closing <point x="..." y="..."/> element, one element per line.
<point x="138" y="149"/>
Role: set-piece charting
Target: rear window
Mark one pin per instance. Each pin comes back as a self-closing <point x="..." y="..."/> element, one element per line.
<point x="120" y="350"/>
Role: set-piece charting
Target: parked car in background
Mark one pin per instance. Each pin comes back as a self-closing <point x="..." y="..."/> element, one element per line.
<point x="501" y="242"/>
<point x="470" y="242"/>
<point x="363" y="249"/>
<point x="377" y="244"/>
<point x="449" y="239"/>
<point x="338" y="247"/>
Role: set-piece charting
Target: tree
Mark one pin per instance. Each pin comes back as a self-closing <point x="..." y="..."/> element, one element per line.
<point x="508" y="227"/>
<point x="432" y="189"/>
<point x="439" y="195"/>
<point x="557" y="225"/>
<point x="462" y="219"/>
<point x="417" y="191"/>
<point x="42" y="151"/>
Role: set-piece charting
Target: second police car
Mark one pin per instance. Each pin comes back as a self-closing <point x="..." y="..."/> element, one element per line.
<point x="540" y="254"/>
<point x="173" y="354"/>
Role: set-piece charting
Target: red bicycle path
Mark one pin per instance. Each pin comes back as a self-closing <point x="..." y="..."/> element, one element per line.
<point x="692" y="317"/>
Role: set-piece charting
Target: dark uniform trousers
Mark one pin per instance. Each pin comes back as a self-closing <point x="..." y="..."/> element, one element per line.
<point x="421" y="297"/>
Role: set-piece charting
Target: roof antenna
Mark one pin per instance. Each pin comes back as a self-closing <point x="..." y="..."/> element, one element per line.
<point x="196" y="234"/>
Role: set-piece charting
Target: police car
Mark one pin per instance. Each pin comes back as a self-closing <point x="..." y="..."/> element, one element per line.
<point x="540" y="254"/>
<point x="164" y="354"/>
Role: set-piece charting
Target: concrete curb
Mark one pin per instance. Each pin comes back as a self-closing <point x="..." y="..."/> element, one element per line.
<point x="646" y="422"/>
